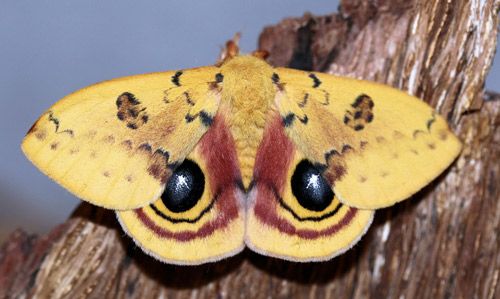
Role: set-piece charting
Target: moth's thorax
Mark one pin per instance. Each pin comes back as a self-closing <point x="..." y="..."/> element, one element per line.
<point x="247" y="83"/>
<point x="247" y="93"/>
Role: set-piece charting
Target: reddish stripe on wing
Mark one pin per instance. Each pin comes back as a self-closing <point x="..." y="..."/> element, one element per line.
<point x="222" y="174"/>
<point x="274" y="155"/>
<point x="271" y="166"/>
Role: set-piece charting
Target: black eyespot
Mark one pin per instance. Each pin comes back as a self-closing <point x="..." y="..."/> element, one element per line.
<point x="184" y="188"/>
<point x="310" y="188"/>
<point x="219" y="77"/>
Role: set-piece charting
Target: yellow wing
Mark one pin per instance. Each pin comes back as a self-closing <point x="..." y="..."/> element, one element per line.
<point x="378" y="145"/>
<point x="200" y="216"/>
<point x="112" y="143"/>
<point x="292" y="212"/>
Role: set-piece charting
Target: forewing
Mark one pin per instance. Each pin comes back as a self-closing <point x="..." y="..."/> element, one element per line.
<point x="111" y="143"/>
<point x="378" y="145"/>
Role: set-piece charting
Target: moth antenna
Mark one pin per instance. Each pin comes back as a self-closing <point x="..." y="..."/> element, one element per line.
<point x="262" y="54"/>
<point x="231" y="50"/>
<point x="232" y="46"/>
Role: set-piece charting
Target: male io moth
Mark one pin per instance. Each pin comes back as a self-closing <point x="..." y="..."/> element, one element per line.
<point x="200" y="163"/>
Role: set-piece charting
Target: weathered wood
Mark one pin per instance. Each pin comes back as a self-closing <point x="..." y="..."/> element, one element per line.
<point x="443" y="243"/>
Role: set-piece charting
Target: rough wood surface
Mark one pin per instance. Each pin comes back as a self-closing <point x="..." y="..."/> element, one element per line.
<point x="443" y="243"/>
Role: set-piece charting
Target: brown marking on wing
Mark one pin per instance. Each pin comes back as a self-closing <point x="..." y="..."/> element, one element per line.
<point x="417" y="133"/>
<point x="336" y="167"/>
<point x="397" y="134"/>
<point x="334" y="172"/>
<point x="68" y="131"/>
<point x="130" y="111"/>
<point x="145" y="148"/>
<point x="40" y="134"/>
<point x="127" y="144"/>
<point x="335" y="164"/>
<point x="443" y="135"/>
<point x="158" y="164"/>
<point x="169" y="129"/>
<point x="54" y="145"/>
<point x="32" y="128"/>
<point x="347" y="148"/>
<point x="91" y="134"/>
<point x="110" y="139"/>
<point x="360" y="114"/>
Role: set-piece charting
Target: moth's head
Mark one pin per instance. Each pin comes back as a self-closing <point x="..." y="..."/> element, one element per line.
<point x="247" y="67"/>
<point x="246" y="63"/>
<point x="232" y="50"/>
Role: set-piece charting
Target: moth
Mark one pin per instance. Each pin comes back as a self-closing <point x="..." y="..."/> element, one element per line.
<point x="200" y="163"/>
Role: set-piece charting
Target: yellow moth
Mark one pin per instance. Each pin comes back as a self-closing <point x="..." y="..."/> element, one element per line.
<point x="200" y="163"/>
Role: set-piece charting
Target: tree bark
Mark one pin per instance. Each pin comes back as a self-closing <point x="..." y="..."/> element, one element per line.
<point x="442" y="243"/>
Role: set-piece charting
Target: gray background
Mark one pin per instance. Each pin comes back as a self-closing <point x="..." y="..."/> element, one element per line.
<point x="51" y="48"/>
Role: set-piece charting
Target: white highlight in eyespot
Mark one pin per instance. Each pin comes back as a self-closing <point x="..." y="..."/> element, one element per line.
<point x="181" y="183"/>
<point x="314" y="181"/>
